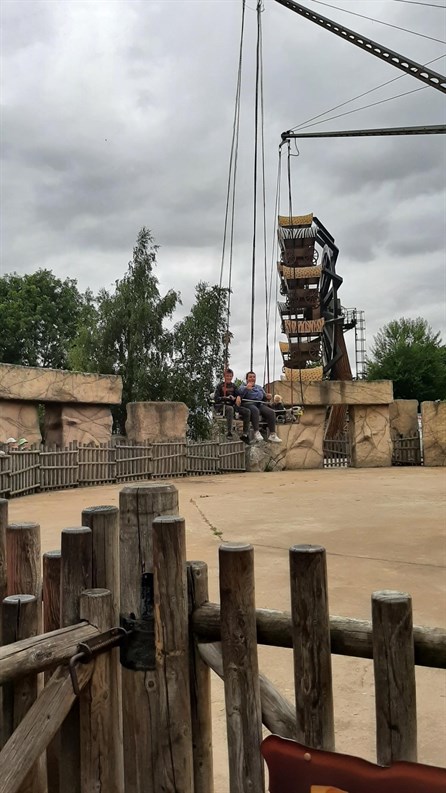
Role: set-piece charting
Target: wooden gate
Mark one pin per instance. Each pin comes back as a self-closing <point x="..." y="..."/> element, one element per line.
<point x="337" y="453"/>
<point x="407" y="451"/>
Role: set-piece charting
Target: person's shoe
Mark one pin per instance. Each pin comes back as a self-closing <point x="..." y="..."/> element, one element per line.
<point x="229" y="435"/>
<point x="258" y="436"/>
<point x="274" y="438"/>
<point x="244" y="437"/>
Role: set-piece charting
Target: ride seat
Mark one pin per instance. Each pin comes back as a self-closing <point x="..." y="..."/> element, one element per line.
<point x="295" y="768"/>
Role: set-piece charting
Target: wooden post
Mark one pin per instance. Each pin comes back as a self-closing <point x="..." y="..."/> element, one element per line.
<point x="175" y="771"/>
<point x="51" y="591"/>
<point x="104" y="524"/>
<point x="102" y="759"/>
<point x="39" y="727"/>
<point x="200" y="686"/>
<point x="394" y="667"/>
<point x="241" y="670"/>
<point x="311" y="646"/>
<point x="3" y="573"/>
<point x="75" y="576"/>
<point x="51" y="622"/>
<point x="20" y="621"/>
<point x="23" y="555"/>
<point x="138" y="507"/>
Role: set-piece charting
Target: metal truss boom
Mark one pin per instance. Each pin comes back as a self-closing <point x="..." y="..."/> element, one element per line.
<point x="434" y="129"/>
<point x="423" y="73"/>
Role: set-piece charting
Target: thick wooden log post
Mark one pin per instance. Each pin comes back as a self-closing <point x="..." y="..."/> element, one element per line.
<point x="311" y="646"/>
<point x="20" y="621"/>
<point x="102" y="758"/>
<point x="394" y="667"/>
<point x="278" y="715"/>
<point x="138" y="507"/>
<point x="175" y="771"/>
<point x="51" y="590"/>
<point x="23" y="555"/>
<point x="75" y="576"/>
<point x="241" y="670"/>
<point x="104" y="524"/>
<point x="200" y="686"/>
<point x="51" y="622"/>
<point x="3" y="574"/>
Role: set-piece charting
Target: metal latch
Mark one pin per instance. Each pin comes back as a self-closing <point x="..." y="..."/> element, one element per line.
<point x="138" y="649"/>
<point x="87" y="650"/>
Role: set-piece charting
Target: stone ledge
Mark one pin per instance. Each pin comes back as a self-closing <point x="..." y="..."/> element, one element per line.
<point x="335" y="392"/>
<point x="35" y="384"/>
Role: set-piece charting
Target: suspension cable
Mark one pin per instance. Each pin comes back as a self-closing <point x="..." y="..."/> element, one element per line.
<point x="265" y="266"/>
<point x="273" y="259"/>
<point x="256" y="135"/>
<point x="230" y="199"/>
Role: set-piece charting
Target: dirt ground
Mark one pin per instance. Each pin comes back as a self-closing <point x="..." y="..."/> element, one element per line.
<point x="382" y="528"/>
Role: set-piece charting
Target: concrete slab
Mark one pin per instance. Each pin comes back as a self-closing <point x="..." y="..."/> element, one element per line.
<point x="382" y="528"/>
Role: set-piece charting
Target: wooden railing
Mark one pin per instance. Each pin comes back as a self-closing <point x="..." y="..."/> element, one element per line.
<point x="79" y="465"/>
<point x="147" y="725"/>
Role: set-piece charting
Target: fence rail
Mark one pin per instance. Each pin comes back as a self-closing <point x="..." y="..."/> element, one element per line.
<point x="80" y="465"/>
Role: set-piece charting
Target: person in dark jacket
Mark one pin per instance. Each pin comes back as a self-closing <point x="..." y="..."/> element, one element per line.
<point x="225" y="398"/>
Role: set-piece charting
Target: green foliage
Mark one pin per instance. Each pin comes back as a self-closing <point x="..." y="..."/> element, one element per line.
<point x="408" y="352"/>
<point x="47" y="322"/>
<point x="198" y="355"/>
<point x="40" y="318"/>
<point x="129" y="338"/>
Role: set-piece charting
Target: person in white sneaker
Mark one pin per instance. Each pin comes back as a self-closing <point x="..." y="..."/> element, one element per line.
<point x="254" y="397"/>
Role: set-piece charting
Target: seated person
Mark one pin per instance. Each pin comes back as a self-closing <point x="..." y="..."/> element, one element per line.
<point x="279" y="408"/>
<point x="224" y="398"/>
<point x="254" y="397"/>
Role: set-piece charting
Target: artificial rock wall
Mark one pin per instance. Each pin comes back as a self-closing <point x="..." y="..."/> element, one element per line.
<point x="156" y="421"/>
<point x="433" y="419"/>
<point x="77" y="404"/>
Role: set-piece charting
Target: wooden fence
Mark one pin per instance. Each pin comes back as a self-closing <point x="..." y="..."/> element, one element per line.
<point x="337" y="453"/>
<point x="79" y="465"/>
<point x="407" y="451"/>
<point x="150" y="717"/>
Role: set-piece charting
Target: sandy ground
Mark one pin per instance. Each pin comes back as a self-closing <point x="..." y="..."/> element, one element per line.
<point x="382" y="528"/>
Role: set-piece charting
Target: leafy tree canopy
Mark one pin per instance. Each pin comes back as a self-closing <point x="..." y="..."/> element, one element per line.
<point x="130" y="337"/>
<point x="48" y="322"/>
<point x="198" y="355"/>
<point x="40" y="318"/>
<point x="408" y="352"/>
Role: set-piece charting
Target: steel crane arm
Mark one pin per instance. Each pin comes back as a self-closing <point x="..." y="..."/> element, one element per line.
<point x="423" y="73"/>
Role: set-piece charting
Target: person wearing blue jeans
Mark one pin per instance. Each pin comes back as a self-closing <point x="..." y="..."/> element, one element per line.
<point x="254" y="397"/>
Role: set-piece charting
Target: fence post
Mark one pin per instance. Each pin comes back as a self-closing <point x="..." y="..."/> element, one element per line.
<point x="240" y="666"/>
<point x="20" y="620"/>
<point x="311" y="646"/>
<point x="394" y="668"/>
<point x="75" y="576"/>
<point x="138" y="507"/>
<point x="102" y="760"/>
<point x="175" y="769"/>
<point x="51" y="622"/>
<point x="104" y="524"/>
<point x="3" y="569"/>
<point x="23" y="555"/>
<point x="200" y="686"/>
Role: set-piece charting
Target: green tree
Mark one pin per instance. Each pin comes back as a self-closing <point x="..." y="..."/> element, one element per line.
<point x="129" y="338"/>
<point x="198" y="355"/>
<point x="408" y="352"/>
<point x="40" y="315"/>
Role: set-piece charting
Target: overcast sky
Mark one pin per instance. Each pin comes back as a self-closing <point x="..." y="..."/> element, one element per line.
<point x="118" y="114"/>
